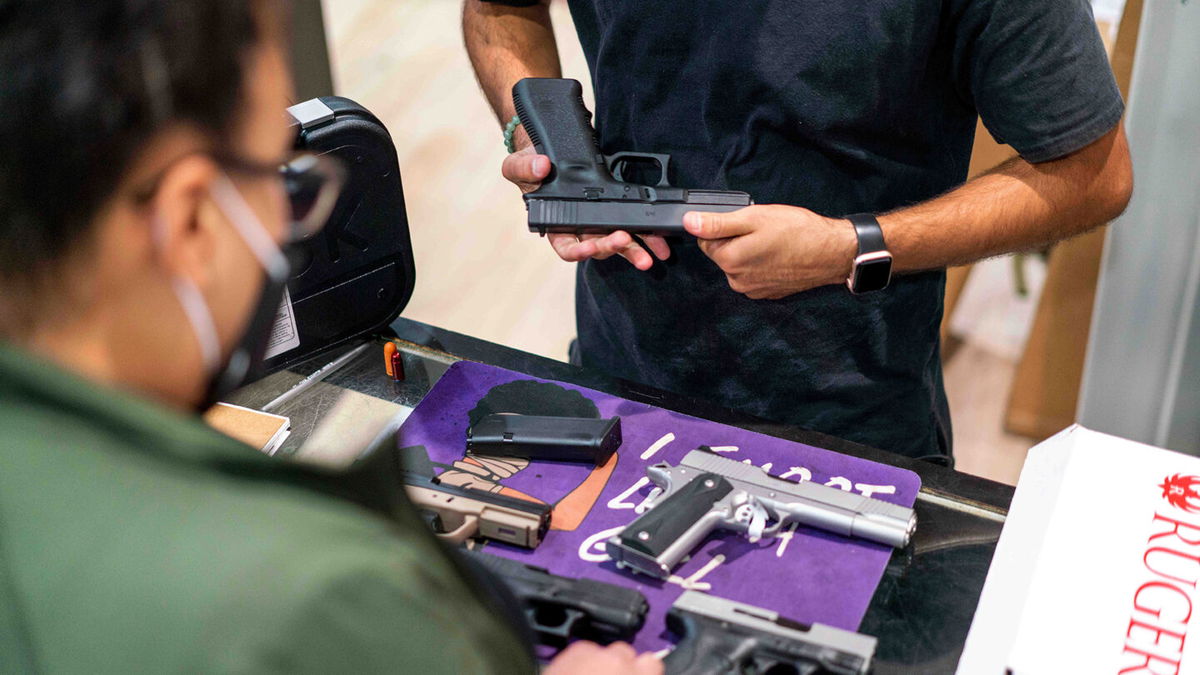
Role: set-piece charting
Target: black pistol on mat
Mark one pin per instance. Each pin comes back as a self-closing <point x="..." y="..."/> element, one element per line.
<point x="586" y="192"/>
<point x="560" y="607"/>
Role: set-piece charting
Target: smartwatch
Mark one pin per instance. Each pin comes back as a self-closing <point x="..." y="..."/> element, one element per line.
<point x="872" y="268"/>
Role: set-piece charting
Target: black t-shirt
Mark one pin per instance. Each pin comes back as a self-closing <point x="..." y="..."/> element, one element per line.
<point x="840" y="107"/>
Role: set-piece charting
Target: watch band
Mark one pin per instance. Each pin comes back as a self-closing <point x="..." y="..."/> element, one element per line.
<point x="870" y="234"/>
<point x="872" y="268"/>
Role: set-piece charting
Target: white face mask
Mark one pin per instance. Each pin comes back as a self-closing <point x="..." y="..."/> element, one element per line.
<point x="225" y="375"/>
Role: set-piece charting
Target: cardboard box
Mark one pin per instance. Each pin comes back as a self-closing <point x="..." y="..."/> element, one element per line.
<point x="1097" y="567"/>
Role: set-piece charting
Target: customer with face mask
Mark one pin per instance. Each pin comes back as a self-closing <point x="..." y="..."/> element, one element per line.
<point x="142" y="217"/>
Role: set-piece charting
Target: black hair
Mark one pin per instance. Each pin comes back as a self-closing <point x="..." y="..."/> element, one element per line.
<point x="84" y="86"/>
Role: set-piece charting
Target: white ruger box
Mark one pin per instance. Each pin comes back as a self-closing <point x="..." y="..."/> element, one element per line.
<point x="1097" y="567"/>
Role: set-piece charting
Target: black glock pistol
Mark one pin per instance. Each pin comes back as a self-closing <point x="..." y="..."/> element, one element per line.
<point x="585" y="192"/>
<point x="559" y="608"/>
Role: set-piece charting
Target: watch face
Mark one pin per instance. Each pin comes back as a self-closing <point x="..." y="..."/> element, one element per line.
<point x="872" y="275"/>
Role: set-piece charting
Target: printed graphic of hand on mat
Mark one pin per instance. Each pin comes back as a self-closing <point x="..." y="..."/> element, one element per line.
<point x="477" y="472"/>
<point x="485" y="473"/>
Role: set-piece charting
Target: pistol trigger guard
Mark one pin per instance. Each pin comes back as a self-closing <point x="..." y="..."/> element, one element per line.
<point x="462" y="532"/>
<point x="776" y="522"/>
<point x="773" y="529"/>
<point x="616" y="165"/>
<point x="573" y="617"/>
<point x="562" y="629"/>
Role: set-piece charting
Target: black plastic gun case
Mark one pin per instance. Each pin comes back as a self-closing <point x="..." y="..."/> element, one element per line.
<point x="353" y="278"/>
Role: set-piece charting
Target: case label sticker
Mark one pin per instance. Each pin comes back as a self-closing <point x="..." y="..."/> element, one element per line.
<point x="284" y="336"/>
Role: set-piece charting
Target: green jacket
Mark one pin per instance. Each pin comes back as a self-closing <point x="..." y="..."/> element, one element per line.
<point x="137" y="539"/>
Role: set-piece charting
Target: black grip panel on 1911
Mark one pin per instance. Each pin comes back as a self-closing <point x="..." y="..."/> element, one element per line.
<point x="658" y="528"/>
<point x="559" y="124"/>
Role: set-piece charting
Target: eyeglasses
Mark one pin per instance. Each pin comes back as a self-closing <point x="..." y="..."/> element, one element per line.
<point x="312" y="184"/>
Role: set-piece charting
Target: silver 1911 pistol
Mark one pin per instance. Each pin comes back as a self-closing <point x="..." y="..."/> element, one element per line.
<point x="707" y="491"/>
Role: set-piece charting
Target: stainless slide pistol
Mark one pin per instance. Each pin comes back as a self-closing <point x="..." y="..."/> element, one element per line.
<point x="722" y="636"/>
<point x="707" y="491"/>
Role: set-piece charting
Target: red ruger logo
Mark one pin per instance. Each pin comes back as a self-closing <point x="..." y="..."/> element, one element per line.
<point x="1165" y="601"/>
<point x="1182" y="492"/>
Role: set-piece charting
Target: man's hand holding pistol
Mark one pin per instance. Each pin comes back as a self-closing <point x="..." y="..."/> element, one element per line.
<point x="527" y="169"/>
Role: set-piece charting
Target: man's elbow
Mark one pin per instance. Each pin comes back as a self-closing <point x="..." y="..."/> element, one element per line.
<point x="1123" y="190"/>
<point x="1117" y="188"/>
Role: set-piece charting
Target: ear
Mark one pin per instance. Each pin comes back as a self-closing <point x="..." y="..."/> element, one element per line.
<point x="184" y="231"/>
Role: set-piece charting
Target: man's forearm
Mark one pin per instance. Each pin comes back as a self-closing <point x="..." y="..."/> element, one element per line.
<point x="1017" y="206"/>
<point x="506" y="44"/>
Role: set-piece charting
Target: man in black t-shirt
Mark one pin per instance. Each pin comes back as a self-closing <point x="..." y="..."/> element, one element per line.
<point x="820" y="111"/>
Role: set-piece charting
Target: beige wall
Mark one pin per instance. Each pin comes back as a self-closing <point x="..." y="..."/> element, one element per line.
<point x="479" y="270"/>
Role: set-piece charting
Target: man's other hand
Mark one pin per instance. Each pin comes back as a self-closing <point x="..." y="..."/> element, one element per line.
<point x="772" y="251"/>
<point x="526" y="169"/>
<point x="618" y="658"/>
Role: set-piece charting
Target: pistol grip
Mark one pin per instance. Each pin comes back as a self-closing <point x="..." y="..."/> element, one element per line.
<point x="559" y="124"/>
<point x="702" y="651"/>
<point x="658" y="540"/>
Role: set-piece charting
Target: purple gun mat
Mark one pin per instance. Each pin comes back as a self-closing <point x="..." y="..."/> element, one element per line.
<point x="806" y="575"/>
